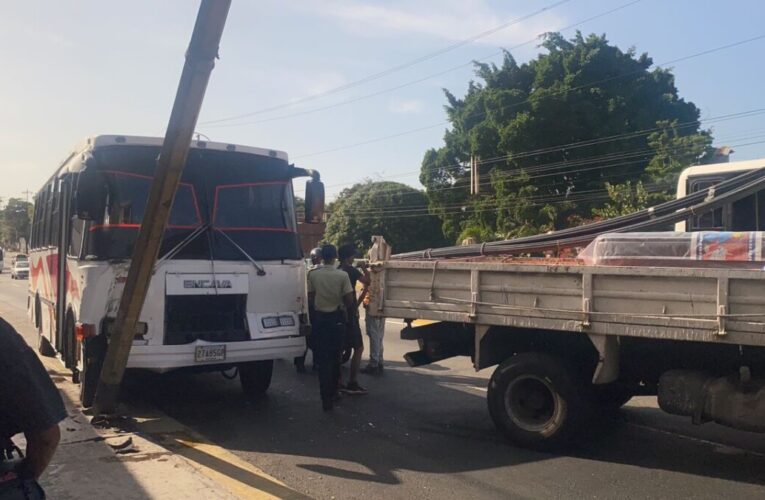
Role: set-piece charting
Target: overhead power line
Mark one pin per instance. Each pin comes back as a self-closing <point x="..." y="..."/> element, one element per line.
<point x="530" y="99"/>
<point x="564" y="197"/>
<point x="399" y="67"/>
<point x="220" y="123"/>
<point x="584" y="143"/>
<point x="568" y="196"/>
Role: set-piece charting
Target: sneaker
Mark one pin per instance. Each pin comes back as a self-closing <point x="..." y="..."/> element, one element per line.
<point x="371" y="370"/>
<point x="355" y="388"/>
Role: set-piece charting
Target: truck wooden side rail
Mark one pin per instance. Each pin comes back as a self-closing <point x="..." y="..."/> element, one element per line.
<point x="572" y="338"/>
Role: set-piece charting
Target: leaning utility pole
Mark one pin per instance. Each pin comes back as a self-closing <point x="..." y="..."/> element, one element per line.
<point x="200" y="60"/>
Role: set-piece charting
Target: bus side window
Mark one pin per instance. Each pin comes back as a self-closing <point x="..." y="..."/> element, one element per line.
<point x="44" y="214"/>
<point x="709" y="221"/>
<point x="35" y="222"/>
<point x="55" y="223"/>
<point x="75" y="238"/>
<point x="748" y="214"/>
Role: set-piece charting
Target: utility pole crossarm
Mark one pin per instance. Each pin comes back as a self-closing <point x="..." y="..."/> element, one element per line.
<point x="200" y="60"/>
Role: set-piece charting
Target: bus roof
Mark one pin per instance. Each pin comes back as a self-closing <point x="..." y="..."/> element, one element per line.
<point x="111" y="140"/>
<point x="715" y="168"/>
<point x="97" y="141"/>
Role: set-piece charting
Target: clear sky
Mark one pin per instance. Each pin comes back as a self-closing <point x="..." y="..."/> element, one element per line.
<point x="83" y="67"/>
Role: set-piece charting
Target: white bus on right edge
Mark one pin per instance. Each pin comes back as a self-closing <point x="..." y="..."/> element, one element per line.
<point x="746" y="214"/>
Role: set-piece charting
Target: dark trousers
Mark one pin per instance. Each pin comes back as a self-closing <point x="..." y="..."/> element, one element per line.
<point x="329" y="329"/>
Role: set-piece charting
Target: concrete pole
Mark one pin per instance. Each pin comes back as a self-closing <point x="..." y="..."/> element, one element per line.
<point x="200" y="60"/>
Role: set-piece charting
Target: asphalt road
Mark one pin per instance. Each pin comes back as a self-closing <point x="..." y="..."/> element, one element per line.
<point x="425" y="433"/>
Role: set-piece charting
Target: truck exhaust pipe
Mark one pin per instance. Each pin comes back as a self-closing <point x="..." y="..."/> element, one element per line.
<point x="736" y="401"/>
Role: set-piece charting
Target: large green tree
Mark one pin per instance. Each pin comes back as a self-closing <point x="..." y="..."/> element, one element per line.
<point x="15" y="223"/>
<point x="391" y="209"/>
<point x="549" y="135"/>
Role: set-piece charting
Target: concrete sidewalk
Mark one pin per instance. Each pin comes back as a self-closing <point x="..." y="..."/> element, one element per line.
<point x="141" y="454"/>
<point x="95" y="462"/>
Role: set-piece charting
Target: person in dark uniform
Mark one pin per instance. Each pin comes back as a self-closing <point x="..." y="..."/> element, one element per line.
<point x="299" y="361"/>
<point x="29" y="404"/>
<point x="331" y="300"/>
<point x="353" y="339"/>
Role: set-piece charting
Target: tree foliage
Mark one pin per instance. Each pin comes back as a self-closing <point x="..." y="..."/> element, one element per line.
<point x="15" y="221"/>
<point x="552" y="132"/>
<point x="364" y="210"/>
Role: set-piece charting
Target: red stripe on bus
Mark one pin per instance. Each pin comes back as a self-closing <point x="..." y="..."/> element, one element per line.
<point x="134" y="226"/>
<point x="271" y="229"/>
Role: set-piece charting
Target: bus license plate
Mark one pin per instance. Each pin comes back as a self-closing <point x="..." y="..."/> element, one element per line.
<point x="210" y="353"/>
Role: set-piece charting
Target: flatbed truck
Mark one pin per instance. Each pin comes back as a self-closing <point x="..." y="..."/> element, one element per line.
<point x="570" y="339"/>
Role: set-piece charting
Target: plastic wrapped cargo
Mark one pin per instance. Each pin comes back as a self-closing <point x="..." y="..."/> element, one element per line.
<point x="696" y="249"/>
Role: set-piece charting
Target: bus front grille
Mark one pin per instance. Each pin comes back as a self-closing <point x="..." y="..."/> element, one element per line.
<point x="212" y="318"/>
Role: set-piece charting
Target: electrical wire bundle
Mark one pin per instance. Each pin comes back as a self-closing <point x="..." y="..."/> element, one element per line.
<point x="663" y="214"/>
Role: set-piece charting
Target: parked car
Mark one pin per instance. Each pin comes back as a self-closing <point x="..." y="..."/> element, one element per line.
<point x="18" y="257"/>
<point x="20" y="270"/>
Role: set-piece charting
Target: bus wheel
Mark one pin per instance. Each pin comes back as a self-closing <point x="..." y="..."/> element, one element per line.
<point x="92" y="351"/>
<point x="255" y="377"/>
<point x="536" y="400"/>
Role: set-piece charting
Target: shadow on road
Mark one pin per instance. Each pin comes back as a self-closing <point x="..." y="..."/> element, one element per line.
<point x="412" y="420"/>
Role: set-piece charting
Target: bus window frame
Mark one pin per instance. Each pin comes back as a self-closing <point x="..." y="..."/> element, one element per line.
<point x="117" y="173"/>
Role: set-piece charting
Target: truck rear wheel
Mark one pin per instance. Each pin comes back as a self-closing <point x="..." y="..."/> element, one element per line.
<point x="255" y="377"/>
<point x="536" y="400"/>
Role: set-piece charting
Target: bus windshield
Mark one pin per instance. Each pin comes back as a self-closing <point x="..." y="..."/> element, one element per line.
<point x="127" y="197"/>
<point x="247" y="197"/>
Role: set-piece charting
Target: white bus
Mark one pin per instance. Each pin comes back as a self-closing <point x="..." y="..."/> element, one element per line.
<point x="746" y="214"/>
<point x="228" y="289"/>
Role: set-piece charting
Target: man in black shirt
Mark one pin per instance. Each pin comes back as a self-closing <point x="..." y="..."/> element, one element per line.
<point x="29" y="404"/>
<point x="346" y="254"/>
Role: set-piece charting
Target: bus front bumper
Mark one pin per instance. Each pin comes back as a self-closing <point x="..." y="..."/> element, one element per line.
<point x="171" y="357"/>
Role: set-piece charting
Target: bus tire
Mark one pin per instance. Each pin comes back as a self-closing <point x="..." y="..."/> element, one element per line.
<point x="255" y="377"/>
<point x="536" y="400"/>
<point x="93" y="352"/>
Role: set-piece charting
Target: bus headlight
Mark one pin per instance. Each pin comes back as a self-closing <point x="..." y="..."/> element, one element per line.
<point x="277" y="321"/>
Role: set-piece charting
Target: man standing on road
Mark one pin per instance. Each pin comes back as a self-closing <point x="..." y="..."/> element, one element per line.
<point x="333" y="303"/>
<point x="375" y="327"/>
<point x="353" y="332"/>
<point x="299" y="361"/>
<point x="29" y="404"/>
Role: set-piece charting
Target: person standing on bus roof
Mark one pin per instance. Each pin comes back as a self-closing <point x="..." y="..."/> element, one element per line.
<point x="331" y="299"/>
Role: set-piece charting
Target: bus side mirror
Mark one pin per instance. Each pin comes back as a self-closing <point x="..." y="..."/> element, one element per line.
<point x="314" y="201"/>
<point x="90" y="195"/>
